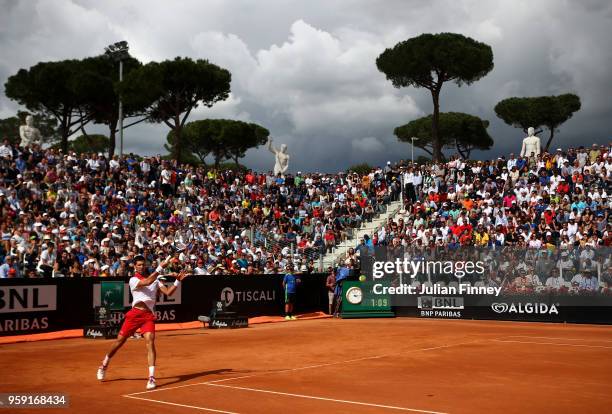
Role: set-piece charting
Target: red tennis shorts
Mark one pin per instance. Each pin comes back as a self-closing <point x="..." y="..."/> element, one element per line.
<point x="137" y="318"/>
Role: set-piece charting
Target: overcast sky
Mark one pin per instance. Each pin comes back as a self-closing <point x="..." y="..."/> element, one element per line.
<point x="306" y="69"/>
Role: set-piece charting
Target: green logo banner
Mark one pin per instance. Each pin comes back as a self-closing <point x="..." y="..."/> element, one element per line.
<point x="111" y="295"/>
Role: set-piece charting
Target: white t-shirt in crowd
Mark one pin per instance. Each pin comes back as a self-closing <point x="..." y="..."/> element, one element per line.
<point x="166" y="176"/>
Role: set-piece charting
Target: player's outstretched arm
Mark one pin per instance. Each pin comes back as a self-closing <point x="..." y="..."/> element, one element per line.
<point x="168" y="291"/>
<point x="153" y="276"/>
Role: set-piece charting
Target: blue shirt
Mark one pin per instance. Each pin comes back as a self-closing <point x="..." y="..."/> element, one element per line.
<point x="21" y="164"/>
<point x="540" y="208"/>
<point x="580" y="205"/>
<point x="589" y="283"/>
<point x="4" y="270"/>
<point x="342" y="273"/>
<point x="81" y="257"/>
<point x="290" y="283"/>
<point x="130" y="163"/>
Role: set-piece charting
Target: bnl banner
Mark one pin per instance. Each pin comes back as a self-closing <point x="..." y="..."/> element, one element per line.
<point x="26" y="308"/>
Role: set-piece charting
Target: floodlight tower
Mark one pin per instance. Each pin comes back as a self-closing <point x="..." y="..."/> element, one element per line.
<point x="119" y="51"/>
<point x="412" y="139"/>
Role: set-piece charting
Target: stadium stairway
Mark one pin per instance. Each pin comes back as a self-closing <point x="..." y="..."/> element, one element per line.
<point x="369" y="228"/>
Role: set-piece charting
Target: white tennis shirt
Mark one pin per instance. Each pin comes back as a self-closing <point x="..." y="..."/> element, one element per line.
<point x="144" y="294"/>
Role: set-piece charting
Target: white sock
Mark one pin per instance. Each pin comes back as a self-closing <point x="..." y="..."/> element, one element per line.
<point x="152" y="371"/>
<point x="105" y="361"/>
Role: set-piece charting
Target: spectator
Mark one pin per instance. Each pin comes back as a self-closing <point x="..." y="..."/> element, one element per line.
<point x="8" y="268"/>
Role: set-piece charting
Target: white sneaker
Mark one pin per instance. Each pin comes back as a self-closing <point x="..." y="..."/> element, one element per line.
<point x="151" y="383"/>
<point x="101" y="373"/>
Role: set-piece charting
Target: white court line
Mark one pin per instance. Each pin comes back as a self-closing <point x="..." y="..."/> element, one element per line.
<point x="182" y="405"/>
<point x="565" y="339"/>
<point x="311" y="397"/>
<point x="348" y="361"/>
<point x="554" y="343"/>
<point x="215" y="383"/>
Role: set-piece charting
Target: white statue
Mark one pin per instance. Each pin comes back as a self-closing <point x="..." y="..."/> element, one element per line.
<point x="281" y="163"/>
<point x="530" y="144"/>
<point x="29" y="133"/>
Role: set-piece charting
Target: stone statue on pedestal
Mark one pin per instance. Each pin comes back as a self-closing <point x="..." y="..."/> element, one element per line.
<point x="531" y="144"/>
<point x="281" y="163"/>
<point x="28" y="133"/>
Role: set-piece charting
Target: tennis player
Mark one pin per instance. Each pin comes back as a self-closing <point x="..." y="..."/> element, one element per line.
<point x="142" y="315"/>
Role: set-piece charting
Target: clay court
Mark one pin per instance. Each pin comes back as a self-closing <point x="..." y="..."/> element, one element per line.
<point x="332" y="366"/>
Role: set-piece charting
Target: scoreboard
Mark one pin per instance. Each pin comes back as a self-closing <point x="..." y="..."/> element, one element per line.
<point x="360" y="301"/>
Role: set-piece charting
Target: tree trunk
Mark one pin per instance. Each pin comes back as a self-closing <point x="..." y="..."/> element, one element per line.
<point x="426" y="150"/>
<point x="236" y="160"/>
<point x="111" y="139"/>
<point x="435" y="139"/>
<point x="177" y="139"/>
<point x="64" y="130"/>
<point x="552" y="135"/>
<point x="465" y="155"/>
<point x="178" y="149"/>
<point x="202" y="158"/>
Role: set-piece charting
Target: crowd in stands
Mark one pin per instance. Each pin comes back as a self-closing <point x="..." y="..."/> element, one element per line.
<point x="554" y="207"/>
<point x="69" y="215"/>
<point x="88" y="216"/>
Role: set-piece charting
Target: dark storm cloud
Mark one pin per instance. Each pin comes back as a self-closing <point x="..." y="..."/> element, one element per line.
<point x="306" y="71"/>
